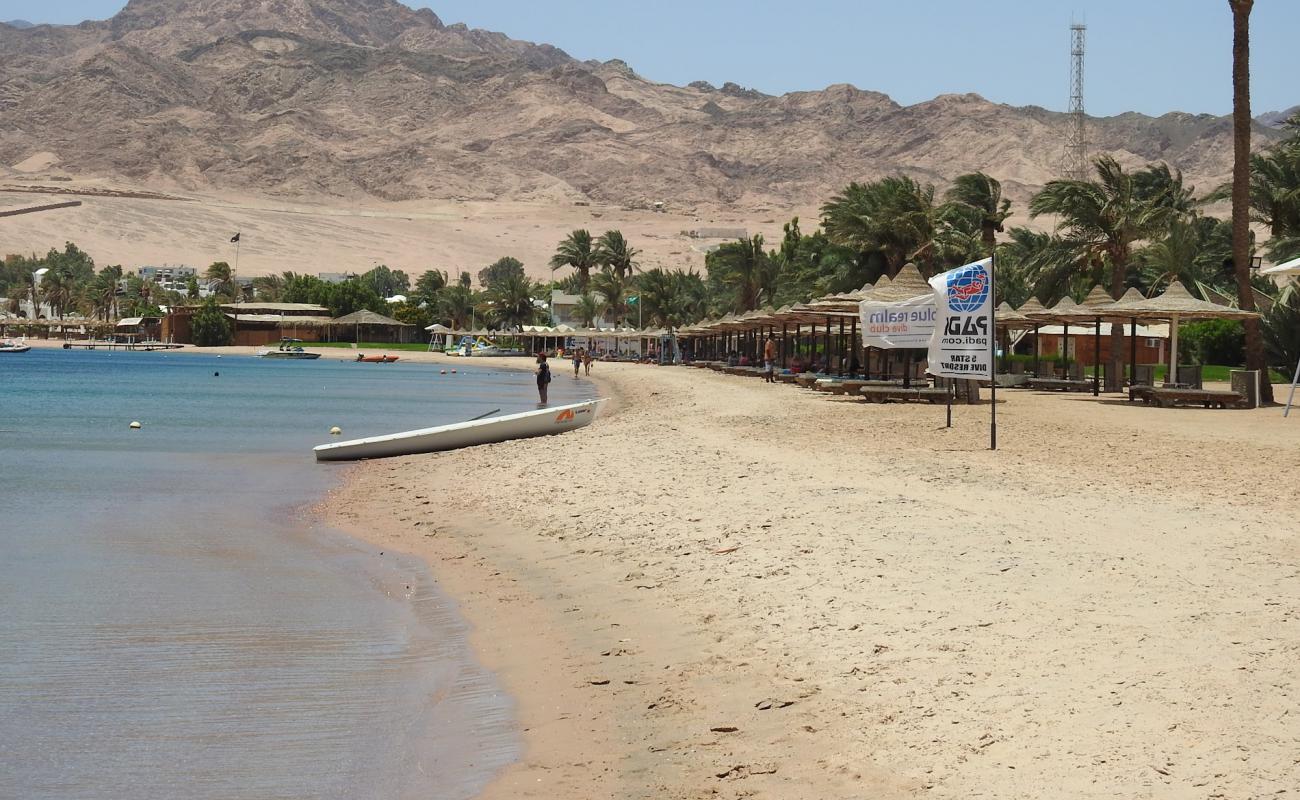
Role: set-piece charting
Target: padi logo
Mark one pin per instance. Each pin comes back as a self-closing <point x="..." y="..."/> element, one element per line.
<point x="968" y="289"/>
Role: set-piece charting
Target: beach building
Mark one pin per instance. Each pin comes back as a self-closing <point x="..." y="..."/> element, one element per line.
<point x="336" y="277"/>
<point x="720" y="233"/>
<point x="142" y="329"/>
<point x="1152" y="343"/>
<point x="174" y="279"/>
<point x="257" y="323"/>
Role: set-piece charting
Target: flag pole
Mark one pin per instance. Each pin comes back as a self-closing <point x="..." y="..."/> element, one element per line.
<point x="993" y="352"/>
<point x="234" y="288"/>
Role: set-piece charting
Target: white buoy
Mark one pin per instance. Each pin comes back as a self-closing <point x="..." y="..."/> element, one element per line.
<point x="453" y="372"/>
<point x="135" y="425"/>
<point x="442" y="372"/>
<point x="335" y="431"/>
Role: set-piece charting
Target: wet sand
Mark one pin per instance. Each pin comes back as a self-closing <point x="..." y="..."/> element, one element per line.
<point x="726" y="589"/>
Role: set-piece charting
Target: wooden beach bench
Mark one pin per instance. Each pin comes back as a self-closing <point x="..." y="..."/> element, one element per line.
<point x="1209" y="398"/>
<point x="884" y="394"/>
<point x="1060" y="385"/>
<point x="787" y="377"/>
<point x="1139" y="391"/>
<point x="850" y="386"/>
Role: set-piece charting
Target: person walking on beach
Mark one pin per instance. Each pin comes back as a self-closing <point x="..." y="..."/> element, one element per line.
<point x="586" y="362"/>
<point x="769" y="360"/>
<point x="577" y="360"/>
<point x="543" y="377"/>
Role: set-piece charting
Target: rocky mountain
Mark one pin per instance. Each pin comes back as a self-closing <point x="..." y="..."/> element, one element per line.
<point x="1276" y="119"/>
<point x="354" y="98"/>
<point x="18" y="23"/>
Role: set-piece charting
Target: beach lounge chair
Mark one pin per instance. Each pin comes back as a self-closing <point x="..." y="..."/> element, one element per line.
<point x="1171" y="397"/>
<point x="885" y="394"/>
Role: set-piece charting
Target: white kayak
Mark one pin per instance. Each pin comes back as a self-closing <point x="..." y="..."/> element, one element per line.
<point x="542" y="422"/>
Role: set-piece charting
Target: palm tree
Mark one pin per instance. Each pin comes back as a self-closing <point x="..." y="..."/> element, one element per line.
<point x="1275" y="196"/>
<point x="510" y="302"/>
<point x="612" y="287"/>
<point x="1103" y="219"/>
<point x="613" y="251"/>
<point x="269" y="287"/>
<point x="219" y="273"/>
<point x="671" y="299"/>
<point x="587" y="310"/>
<point x="1241" y="240"/>
<point x="103" y="295"/>
<point x="983" y="195"/>
<point x="893" y="216"/>
<point x="1192" y="251"/>
<point x="576" y="251"/>
<point x="456" y="305"/>
<point x="59" y="290"/>
<point x="1035" y="264"/>
<point x="744" y="268"/>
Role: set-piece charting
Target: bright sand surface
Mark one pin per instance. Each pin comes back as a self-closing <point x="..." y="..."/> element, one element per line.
<point x="334" y="236"/>
<point x="726" y="589"/>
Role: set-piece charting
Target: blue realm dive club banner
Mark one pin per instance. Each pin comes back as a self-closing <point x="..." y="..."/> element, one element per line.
<point x="904" y="324"/>
<point x="962" y="343"/>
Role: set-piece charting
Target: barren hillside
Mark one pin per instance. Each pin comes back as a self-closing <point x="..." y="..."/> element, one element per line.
<point x="349" y="98"/>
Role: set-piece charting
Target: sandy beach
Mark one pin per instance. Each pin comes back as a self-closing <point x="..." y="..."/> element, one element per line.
<point x="726" y="589"/>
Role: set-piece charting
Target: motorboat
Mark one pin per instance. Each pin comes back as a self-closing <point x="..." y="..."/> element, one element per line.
<point x="10" y="346"/>
<point x="384" y="359"/>
<point x="487" y="430"/>
<point x="290" y="349"/>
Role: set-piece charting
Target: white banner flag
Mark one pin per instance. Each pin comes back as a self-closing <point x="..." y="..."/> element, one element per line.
<point x="904" y="324"/>
<point x="962" y="343"/>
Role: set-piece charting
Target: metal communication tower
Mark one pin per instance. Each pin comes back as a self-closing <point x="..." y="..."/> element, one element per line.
<point x="1076" y="144"/>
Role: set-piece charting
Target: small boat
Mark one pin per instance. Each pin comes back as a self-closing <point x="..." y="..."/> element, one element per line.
<point x="542" y="422"/>
<point x="384" y="359"/>
<point x="289" y="348"/>
<point x="10" y="346"/>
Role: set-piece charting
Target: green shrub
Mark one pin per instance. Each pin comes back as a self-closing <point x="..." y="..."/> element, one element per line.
<point x="1215" y="341"/>
<point x="210" y="328"/>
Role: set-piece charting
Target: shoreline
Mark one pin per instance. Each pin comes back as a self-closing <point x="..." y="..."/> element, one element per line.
<point x="517" y="636"/>
<point x="713" y="554"/>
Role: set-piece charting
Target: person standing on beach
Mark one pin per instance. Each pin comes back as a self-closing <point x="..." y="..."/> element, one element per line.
<point x="769" y="360"/>
<point x="543" y="377"/>
<point x="577" y="360"/>
<point x="586" y="362"/>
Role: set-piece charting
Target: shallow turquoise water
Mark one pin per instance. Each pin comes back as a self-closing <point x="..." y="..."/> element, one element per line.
<point x="174" y="626"/>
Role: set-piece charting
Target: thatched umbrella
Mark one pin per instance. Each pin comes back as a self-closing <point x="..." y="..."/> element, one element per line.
<point x="1029" y="310"/>
<point x="907" y="284"/>
<point x="1173" y="305"/>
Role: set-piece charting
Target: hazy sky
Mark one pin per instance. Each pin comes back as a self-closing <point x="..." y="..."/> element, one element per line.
<point x="1143" y="55"/>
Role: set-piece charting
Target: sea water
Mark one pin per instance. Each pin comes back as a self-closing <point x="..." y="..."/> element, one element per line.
<point x="172" y="622"/>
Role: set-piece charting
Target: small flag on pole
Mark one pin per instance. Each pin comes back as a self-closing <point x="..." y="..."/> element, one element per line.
<point x="234" y="238"/>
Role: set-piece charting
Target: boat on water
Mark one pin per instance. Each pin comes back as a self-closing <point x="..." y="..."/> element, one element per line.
<point x="10" y="346"/>
<point x="290" y="349"/>
<point x="542" y="422"/>
<point x="384" y="359"/>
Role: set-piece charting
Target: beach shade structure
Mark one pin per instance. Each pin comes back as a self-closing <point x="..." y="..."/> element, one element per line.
<point x="1065" y="313"/>
<point x="1028" y="310"/>
<point x="369" y="319"/>
<point x="1175" y="304"/>
<point x="1095" y="303"/>
<point x="907" y="284"/>
<point x="1008" y="319"/>
<point x="1291" y="267"/>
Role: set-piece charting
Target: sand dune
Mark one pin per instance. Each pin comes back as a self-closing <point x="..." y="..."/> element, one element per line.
<point x="310" y="238"/>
